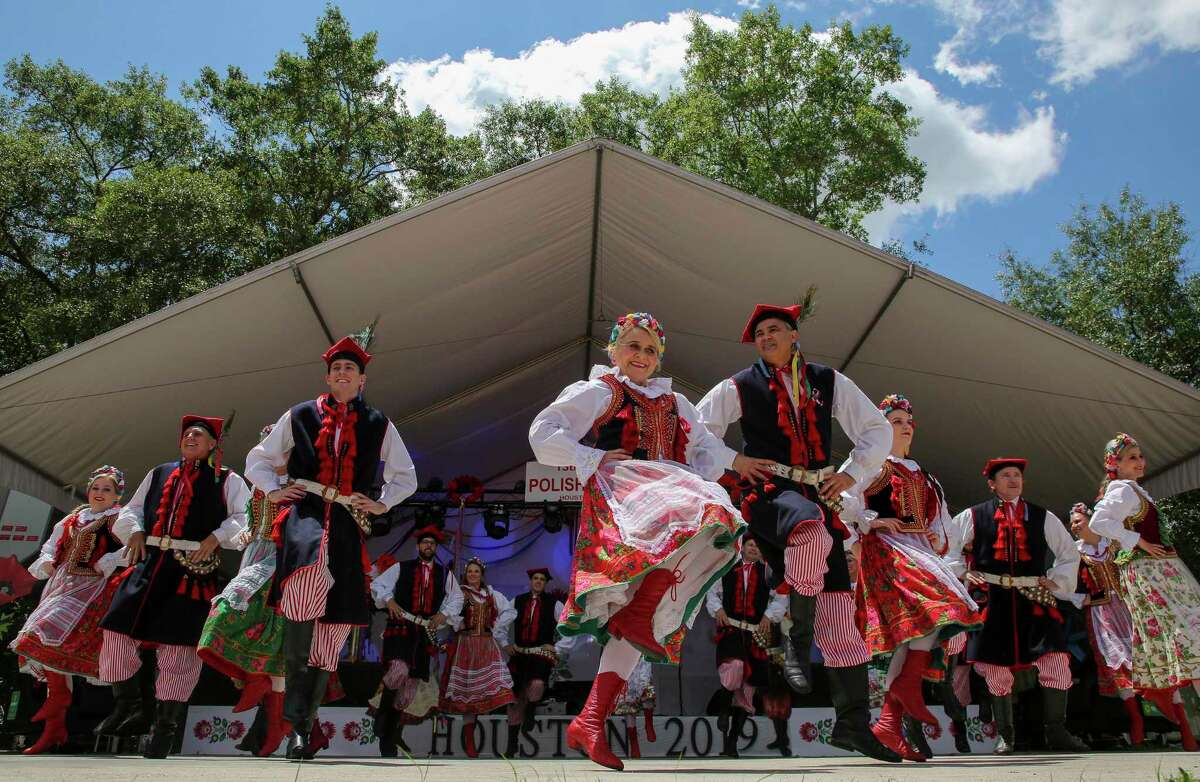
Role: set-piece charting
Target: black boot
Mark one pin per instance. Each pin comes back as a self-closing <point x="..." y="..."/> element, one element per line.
<point x="782" y="741"/>
<point x="127" y="715"/>
<point x="736" y="722"/>
<point x="1002" y="712"/>
<point x="797" y="644"/>
<point x="298" y="707"/>
<point x="724" y="702"/>
<point x="320" y="681"/>
<point x="852" y="728"/>
<point x="510" y="748"/>
<point x="528" y="717"/>
<point x="167" y="716"/>
<point x="399" y="732"/>
<point x="252" y="741"/>
<point x="955" y="711"/>
<point x="914" y="732"/>
<point x="1054" y="713"/>
<point x="385" y="724"/>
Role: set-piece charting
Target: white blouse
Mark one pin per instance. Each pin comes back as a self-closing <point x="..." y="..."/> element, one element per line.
<point x="1063" y="572"/>
<point x="854" y="504"/>
<point x="43" y="566"/>
<point x="1121" y="500"/>
<point x="453" y="605"/>
<point x="858" y="416"/>
<point x="557" y="430"/>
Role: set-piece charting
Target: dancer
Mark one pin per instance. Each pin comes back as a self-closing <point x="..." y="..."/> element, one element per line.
<point x="412" y="592"/>
<point x="531" y="655"/>
<point x="476" y="680"/>
<point x="1011" y="541"/>
<point x="790" y="494"/>
<point x="60" y="639"/>
<point x="653" y="536"/>
<point x="744" y="607"/>
<point x="191" y="507"/>
<point x="332" y="448"/>
<point x="908" y="599"/>
<point x="1161" y="593"/>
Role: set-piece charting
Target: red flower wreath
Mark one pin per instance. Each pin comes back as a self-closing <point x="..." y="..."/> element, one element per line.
<point x="469" y="485"/>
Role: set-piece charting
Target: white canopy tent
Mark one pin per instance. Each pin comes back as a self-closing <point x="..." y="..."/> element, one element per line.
<point x="492" y="298"/>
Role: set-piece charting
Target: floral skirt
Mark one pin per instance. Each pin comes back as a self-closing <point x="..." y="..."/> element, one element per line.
<point x="79" y="652"/>
<point x="476" y="679"/>
<point x="641" y="516"/>
<point x="1164" y="602"/>
<point x="903" y="594"/>
<point x="241" y="644"/>
<point x="639" y="693"/>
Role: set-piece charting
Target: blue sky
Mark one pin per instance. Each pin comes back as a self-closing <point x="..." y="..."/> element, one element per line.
<point x="1029" y="106"/>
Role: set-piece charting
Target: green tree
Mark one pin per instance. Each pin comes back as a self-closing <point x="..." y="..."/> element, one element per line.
<point x="799" y="118"/>
<point x="1122" y="282"/>
<point x="325" y="144"/>
<point x="105" y="211"/>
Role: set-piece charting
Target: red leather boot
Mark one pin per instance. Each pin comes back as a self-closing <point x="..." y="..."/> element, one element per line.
<point x="586" y="731"/>
<point x="631" y="738"/>
<point x="277" y="727"/>
<point x="650" y="734"/>
<point x="907" y="686"/>
<point x="468" y="737"/>
<point x="1137" y="731"/>
<point x="635" y="622"/>
<point x="1185" y="728"/>
<point x="53" y="735"/>
<point x="889" y="729"/>
<point x="58" y="697"/>
<point x="253" y="691"/>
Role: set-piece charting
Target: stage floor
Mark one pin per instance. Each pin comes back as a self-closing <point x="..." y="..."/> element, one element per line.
<point x="1107" y="767"/>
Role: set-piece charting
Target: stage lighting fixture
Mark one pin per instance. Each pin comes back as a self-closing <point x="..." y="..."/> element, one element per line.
<point x="495" y="521"/>
<point x="552" y="517"/>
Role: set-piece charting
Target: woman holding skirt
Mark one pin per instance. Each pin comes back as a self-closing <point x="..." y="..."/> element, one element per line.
<point x="476" y="679"/>
<point x="1160" y="592"/>
<point x="61" y="638"/>
<point x="907" y="600"/>
<point x="655" y="533"/>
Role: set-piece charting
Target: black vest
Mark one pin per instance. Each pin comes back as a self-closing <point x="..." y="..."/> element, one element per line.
<point x="761" y="434"/>
<point x="403" y="591"/>
<point x="369" y="431"/>
<point x="207" y="509"/>
<point x="983" y="551"/>
<point x="547" y="621"/>
<point x="732" y="582"/>
<point x="881" y="501"/>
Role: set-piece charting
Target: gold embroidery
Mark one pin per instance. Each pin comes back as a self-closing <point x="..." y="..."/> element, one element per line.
<point x="1132" y="522"/>
<point x="1105" y="576"/>
<point x="911" y="501"/>
<point x="83" y="545"/>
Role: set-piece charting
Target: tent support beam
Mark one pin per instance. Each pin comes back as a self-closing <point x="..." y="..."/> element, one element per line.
<point x="591" y="296"/>
<point x="69" y="488"/>
<point x="312" y="303"/>
<point x="908" y="275"/>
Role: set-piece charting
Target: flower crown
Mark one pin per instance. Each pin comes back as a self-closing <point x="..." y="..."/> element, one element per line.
<point x="638" y="320"/>
<point x="896" y="402"/>
<point x="1113" y="450"/>
<point x="108" y="471"/>
<point x="1081" y="507"/>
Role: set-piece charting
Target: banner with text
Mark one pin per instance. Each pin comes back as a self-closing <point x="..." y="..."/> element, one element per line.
<point x="551" y="484"/>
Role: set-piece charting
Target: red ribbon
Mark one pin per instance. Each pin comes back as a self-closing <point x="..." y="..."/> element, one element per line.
<point x="1011" y="529"/>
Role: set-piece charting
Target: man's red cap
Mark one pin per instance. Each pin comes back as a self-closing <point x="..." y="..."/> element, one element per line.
<point x="212" y="425"/>
<point x="545" y="571"/>
<point x="347" y="348"/>
<point x="790" y="315"/>
<point x="996" y="465"/>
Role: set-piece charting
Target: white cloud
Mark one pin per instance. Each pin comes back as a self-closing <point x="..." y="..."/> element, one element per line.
<point x="966" y="157"/>
<point x="1083" y="37"/>
<point x="647" y="55"/>
<point x="947" y="61"/>
<point x="753" y="5"/>
<point x="970" y="17"/>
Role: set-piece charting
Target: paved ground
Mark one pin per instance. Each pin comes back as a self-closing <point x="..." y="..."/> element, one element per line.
<point x="1117" y="767"/>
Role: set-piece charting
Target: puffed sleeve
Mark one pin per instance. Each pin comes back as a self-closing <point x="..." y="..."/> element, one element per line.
<point x="864" y="424"/>
<point x="505" y="614"/>
<point x="131" y="518"/>
<point x="452" y="608"/>
<point x="777" y="607"/>
<point x="556" y="431"/>
<point x="706" y="453"/>
<point x="383" y="587"/>
<point x="1065" y="570"/>
<point x="43" y="566"/>
<point x="960" y="534"/>
<point x="854" y="504"/>
<point x="714" y="600"/>
<point x="271" y="455"/>
<point x="1121" y="500"/>
<point x="721" y="407"/>
<point x="237" y="499"/>
<point x="399" y="473"/>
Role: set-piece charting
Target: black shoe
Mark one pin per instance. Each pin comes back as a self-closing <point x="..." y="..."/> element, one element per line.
<point x="400" y="737"/>
<point x="527" y="725"/>
<point x="385" y="724"/>
<point x="781" y="741"/>
<point x="297" y="743"/>
<point x="736" y="722"/>
<point x="1054" y="713"/>
<point x="510" y="748"/>
<point x="1002" y="711"/>
<point x="252" y="741"/>
<point x="852" y="728"/>
<point x="914" y="732"/>
<point x="797" y="645"/>
<point x="961" y="742"/>
<point x="167" y="717"/>
<point x="127" y="715"/>
<point x="724" y="702"/>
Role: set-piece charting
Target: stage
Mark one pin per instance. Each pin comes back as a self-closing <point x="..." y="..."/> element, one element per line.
<point x="1123" y="766"/>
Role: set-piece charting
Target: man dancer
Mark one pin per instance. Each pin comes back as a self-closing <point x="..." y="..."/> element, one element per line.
<point x="790" y="494"/>
<point x="191" y="506"/>
<point x="412" y="592"/>
<point x="332" y="448"/>
<point x="744" y="607"/>
<point x="1010" y="541"/>
<point x="531" y="654"/>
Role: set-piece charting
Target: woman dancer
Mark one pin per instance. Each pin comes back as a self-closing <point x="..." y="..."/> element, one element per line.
<point x="61" y="638"/>
<point x="476" y="679"/>
<point x="654" y="535"/>
<point x="907" y="599"/>
<point x="1161" y="593"/>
